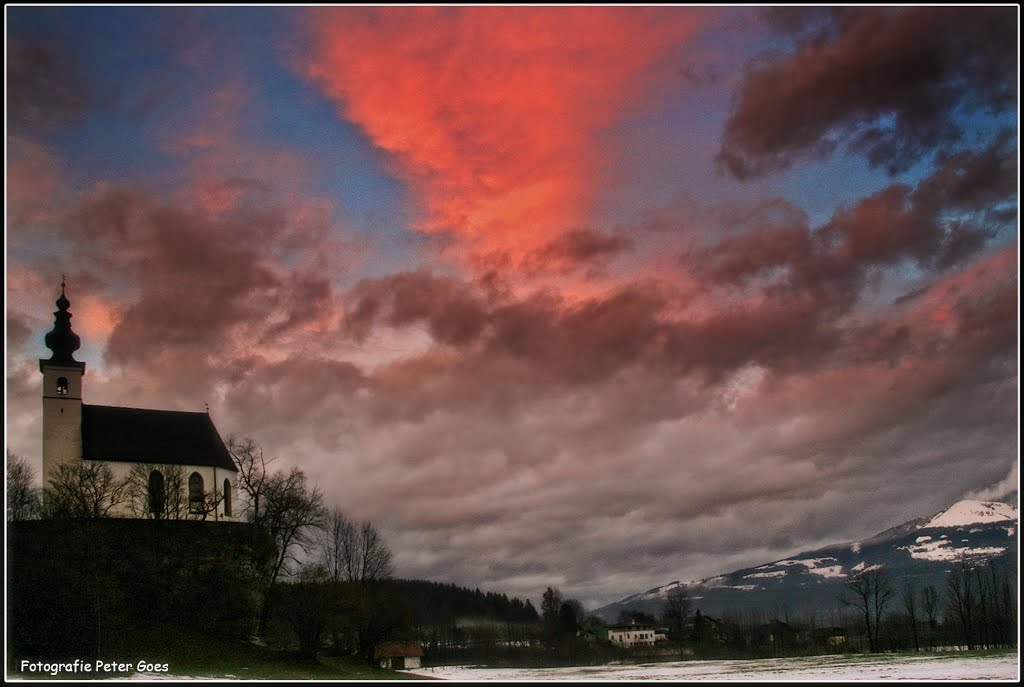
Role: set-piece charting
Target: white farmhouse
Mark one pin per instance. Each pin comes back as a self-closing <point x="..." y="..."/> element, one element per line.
<point x="156" y="446"/>
<point x="633" y="635"/>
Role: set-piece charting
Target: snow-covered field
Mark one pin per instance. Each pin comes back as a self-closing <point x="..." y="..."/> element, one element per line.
<point x="817" y="668"/>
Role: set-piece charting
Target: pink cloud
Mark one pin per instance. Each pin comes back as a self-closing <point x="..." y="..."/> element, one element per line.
<point x="493" y="114"/>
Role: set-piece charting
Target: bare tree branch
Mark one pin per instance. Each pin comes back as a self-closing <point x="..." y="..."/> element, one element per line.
<point x="86" y="489"/>
<point x="253" y="477"/>
<point x="354" y="552"/>
<point x="22" y="495"/>
<point x="870" y="592"/>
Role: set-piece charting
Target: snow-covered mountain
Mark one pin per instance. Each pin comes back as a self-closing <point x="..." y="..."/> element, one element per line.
<point x="972" y="512"/>
<point x="919" y="551"/>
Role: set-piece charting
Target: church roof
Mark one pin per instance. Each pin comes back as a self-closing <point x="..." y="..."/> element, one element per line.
<point x="164" y="437"/>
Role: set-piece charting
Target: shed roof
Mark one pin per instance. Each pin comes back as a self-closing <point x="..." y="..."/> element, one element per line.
<point x="399" y="649"/>
<point x="163" y="437"/>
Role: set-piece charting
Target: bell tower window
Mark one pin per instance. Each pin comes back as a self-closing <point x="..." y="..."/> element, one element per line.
<point x="62" y="386"/>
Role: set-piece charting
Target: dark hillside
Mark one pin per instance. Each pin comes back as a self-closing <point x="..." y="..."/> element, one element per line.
<point x="87" y="588"/>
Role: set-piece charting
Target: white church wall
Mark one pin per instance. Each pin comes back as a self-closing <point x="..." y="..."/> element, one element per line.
<point x="211" y="476"/>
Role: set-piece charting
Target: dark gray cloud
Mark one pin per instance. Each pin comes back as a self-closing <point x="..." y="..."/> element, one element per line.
<point x="889" y="82"/>
<point x="199" y="275"/>
<point x="942" y="222"/>
<point x="18" y="330"/>
<point x="586" y="247"/>
<point x="47" y="86"/>
<point x="582" y="251"/>
<point x="453" y="314"/>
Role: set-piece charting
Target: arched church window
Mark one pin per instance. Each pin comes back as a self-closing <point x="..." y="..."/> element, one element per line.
<point x="195" y="493"/>
<point x="227" y="497"/>
<point x="156" y="492"/>
<point x="62" y="386"/>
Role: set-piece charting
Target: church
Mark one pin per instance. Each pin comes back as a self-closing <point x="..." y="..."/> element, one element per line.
<point x="168" y="464"/>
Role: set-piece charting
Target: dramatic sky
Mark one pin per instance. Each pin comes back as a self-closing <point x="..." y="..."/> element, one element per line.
<point x="590" y="297"/>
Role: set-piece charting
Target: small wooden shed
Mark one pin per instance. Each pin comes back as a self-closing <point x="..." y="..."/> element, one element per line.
<point x="400" y="655"/>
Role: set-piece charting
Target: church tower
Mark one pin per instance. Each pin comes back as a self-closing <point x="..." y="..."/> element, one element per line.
<point x="62" y="393"/>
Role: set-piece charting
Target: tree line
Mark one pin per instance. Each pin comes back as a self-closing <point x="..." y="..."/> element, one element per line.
<point x="976" y="607"/>
<point x="328" y="585"/>
<point x="434" y="602"/>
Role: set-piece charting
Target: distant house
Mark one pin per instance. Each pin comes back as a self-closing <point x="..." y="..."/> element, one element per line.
<point x="178" y="464"/>
<point x="829" y="637"/>
<point x="779" y="634"/>
<point x="779" y="637"/>
<point x="707" y="630"/>
<point x="632" y="635"/>
<point x="400" y="655"/>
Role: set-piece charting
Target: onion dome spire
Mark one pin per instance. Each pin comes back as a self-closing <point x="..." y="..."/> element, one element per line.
<point x="61" y="340"/>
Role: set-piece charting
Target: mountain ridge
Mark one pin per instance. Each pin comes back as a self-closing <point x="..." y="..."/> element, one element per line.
<point x="921" y="549"/>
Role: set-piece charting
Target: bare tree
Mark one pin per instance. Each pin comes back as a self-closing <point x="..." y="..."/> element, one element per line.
<point x="161" y="492"/>
<point x="202" y="502"/>
<point x="311" y="605"/>
<point x="352" y="551"/>
<point x="22" y="495"/>
<point x="909" y="599"/>
<point x="85" y="489"/>
<point x="283" y="503"/>
<point x="869" y="592"/>
<point x="960" y="599"/>
<point x="373" y="556"/>
<point x="206" y="504"/>
<point x="677" y="610"/>
<point x="984" y="606"/>
<point x="337" y="541"/>
<point x="293" y="513"/>
<point x="357" y="561"/>
<point x="253" y="475"/>
<point x="1007" y="605"/>
<point x="930" y="603"/>
<point x="160" y="496"/>
<point x="883" y="594"/>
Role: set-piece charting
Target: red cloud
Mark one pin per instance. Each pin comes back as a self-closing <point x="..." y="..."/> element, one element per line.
<point x="493" y="113"/>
